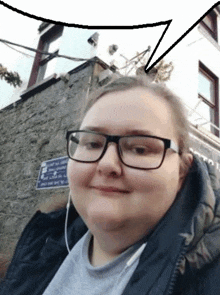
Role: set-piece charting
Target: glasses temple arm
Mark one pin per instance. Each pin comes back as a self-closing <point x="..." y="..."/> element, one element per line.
<point x="174" y="147"/>
<point x="74" y="139"/>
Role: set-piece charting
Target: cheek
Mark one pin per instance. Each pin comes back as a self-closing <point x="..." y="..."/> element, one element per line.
<point x="79" y="175"/>
<point x="146" y="181"/>
<point x="157" y="188"/>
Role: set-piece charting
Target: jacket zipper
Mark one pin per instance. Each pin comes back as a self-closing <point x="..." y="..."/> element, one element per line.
<point x="176" y="270"/>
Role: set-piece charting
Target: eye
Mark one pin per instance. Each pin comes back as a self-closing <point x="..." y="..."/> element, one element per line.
<point x="136" y="149"/>
<point x="93" y="145"/>
<point x="91" y="142"/>
<point x="142" y="146"/>
<point x="140" y="150"/>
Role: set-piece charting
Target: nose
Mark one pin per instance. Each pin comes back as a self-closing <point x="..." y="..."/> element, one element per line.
<point x="110" y="164"/>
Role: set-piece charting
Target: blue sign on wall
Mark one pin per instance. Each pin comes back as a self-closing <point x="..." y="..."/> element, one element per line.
<point x="53" y="174"/>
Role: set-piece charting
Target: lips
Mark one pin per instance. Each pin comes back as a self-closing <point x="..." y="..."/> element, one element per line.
<point x="110" y="189"/>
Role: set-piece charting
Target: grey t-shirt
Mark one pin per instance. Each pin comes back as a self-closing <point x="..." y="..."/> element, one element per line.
<point x="77" y="276"/>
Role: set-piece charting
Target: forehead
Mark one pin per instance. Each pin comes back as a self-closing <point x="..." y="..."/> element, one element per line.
<point x="123" y="111"/>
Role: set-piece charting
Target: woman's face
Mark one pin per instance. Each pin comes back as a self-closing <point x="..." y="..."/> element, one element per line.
<point x="145" y="195"/>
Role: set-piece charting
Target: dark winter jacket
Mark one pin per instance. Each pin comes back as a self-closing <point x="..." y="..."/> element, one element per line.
<point x="182" y="256"/>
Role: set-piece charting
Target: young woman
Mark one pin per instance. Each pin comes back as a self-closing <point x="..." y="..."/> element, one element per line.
<point x="145" y="214"/>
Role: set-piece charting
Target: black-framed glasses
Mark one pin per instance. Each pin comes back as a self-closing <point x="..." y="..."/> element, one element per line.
<point x="136" y="151"/>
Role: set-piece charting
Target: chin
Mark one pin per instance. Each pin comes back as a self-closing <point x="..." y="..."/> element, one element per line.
<point x="105" y="222"/>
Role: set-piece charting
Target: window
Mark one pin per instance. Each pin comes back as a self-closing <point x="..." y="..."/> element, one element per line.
<point x="208" y="94"/>
<point x="44" y="65"/>
<point x="209" y="22"/>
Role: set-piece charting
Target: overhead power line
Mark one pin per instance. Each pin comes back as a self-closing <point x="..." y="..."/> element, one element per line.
<point x="28" y="55"/>
<point x="77" y="59"/>
<point x="44" y="52"/>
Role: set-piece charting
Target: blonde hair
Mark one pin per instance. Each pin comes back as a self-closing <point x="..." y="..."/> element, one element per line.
<point x="123" y="83"/>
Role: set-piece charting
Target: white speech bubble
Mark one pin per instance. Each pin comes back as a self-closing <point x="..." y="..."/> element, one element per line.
<point x="180" y="16"/>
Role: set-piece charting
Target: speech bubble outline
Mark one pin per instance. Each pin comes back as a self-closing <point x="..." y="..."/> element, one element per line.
<point x="149" y="66"/>
<point x="154" y="57"/>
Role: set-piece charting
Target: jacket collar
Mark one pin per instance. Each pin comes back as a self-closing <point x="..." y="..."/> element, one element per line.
<point x="203" y="232"/>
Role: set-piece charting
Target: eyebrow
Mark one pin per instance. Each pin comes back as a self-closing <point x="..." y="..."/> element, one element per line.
<point x="127" y="132"/>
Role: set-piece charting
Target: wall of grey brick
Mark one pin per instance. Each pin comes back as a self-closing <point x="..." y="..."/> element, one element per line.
<point x="31" y="132"/>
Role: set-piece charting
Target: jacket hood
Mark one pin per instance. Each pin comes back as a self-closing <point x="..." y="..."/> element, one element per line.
<point x="203" y="235"/>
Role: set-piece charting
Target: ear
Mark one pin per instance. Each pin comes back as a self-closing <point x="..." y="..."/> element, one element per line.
<point x="185" y="163"/>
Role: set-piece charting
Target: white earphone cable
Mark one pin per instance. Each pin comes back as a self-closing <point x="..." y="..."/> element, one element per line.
<point x="66" y="221"/>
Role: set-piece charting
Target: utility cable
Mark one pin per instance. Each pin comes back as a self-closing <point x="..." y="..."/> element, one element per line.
<point x="28" y="55"/>
<point x="55" y="54"/>
<point x="44" y="52"/>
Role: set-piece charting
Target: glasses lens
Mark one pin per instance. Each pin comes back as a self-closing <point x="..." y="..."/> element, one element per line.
<point x="85" y="146"/>
<point x="142" y="152"/>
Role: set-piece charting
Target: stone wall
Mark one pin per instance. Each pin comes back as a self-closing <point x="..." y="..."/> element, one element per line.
<point x="31" y="132"/>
